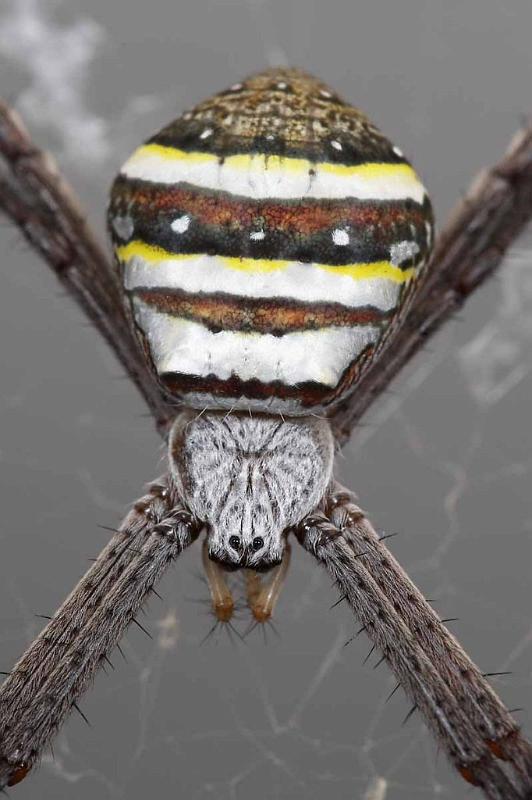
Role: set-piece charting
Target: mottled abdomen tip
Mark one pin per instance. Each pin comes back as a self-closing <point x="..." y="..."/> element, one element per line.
<point x="269" y="241"/>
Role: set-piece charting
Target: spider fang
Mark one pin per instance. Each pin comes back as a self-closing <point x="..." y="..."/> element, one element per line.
<point x="18" y="774"/>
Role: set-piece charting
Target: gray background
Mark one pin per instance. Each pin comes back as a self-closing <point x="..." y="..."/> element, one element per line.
<point x="445" y="460"/>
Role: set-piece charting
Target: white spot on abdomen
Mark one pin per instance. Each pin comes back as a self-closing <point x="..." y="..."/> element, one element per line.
<point x="403" y="251"/>
<point x="340" y="237"/>
<point x="123" y="227"/>
<point x="257" y="236"/>
<point x="181" y="224"/>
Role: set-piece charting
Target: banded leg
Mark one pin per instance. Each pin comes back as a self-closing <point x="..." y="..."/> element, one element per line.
<point x="459" y="707"/>
<point x="59" y="666"/>
<point x="39" y="202"/>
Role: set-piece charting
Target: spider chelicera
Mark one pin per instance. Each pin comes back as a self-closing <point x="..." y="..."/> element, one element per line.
<point x="250" y="453"/>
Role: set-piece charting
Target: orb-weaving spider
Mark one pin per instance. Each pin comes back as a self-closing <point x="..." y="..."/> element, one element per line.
<point x="270" y="439"/>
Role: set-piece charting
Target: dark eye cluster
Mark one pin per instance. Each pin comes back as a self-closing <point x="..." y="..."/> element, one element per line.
<point x="235" y="542"/>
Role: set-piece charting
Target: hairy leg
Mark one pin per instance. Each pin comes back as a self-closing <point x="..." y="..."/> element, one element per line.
<point x="458" y="705"/>
<point x="469" y="249"/>
<point x="41" y="204"/>
<point x="58" y="667"/>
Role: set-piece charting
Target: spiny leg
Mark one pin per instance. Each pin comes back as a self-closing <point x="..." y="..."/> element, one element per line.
<point x="461" y="675"/>
<point x="472" y="726"/>
<point x="40" y="203"/>
<point x="471" y="246"/>
<point x="263" y="591"/>
<point x="58" y="667"/>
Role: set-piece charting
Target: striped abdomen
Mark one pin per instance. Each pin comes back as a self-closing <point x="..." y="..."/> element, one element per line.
<point x="269" y="240"/>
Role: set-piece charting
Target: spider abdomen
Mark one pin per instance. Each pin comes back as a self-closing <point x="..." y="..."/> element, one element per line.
<point x="269" y="242"/>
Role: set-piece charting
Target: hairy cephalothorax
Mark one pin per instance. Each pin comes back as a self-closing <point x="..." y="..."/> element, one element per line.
<point x="249" y="479"/>
<point x="272" y="275"/>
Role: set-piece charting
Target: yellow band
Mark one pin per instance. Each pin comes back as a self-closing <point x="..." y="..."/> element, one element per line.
<point x="358" y="272"/>
<point x="273" y="162"/>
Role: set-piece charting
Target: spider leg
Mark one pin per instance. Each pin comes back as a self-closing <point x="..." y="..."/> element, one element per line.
<point x="458" y="705"/>
<point x="483" y="225"/>
<point x="263" y="591"/>
<point x="40" y="203"/>
<point x="58" y="667"/>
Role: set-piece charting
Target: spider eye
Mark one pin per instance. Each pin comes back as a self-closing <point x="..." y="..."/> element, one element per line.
<point x="236" y="543"/>
<point x="257" y="543"/>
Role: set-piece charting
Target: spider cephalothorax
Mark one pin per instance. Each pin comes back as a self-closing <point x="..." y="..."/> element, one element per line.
<point x="250" y="479"/>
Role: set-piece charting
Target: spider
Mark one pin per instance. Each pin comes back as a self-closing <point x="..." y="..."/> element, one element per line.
<point x="272" y="274"/>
